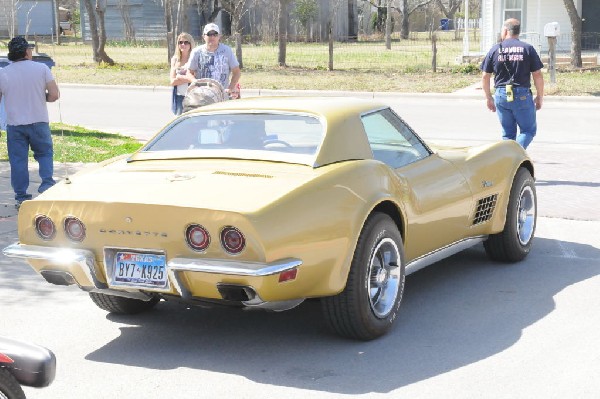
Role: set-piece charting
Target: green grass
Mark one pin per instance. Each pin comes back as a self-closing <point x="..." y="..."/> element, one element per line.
<point x="77" y="144"/>
<point x="361" y="66"/>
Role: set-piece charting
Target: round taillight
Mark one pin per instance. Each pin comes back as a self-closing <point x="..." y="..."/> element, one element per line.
<point x="232" y="240"/>
<point x="197" y="237"/>
<point x="44" y="227"/>
<point x="75" y="229"/>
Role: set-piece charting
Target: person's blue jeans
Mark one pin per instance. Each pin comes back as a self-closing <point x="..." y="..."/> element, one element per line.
<point x="176" y="102"/>
<point x="519" y="112"/>
<point x="19" y="139"/>
<point x="179" y="104"/>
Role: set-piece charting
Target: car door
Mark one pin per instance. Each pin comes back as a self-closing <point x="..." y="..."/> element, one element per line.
<point x="435" y="195"/>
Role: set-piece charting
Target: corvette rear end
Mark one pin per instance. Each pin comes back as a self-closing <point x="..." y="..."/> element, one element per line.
<point x="183" y="230"/>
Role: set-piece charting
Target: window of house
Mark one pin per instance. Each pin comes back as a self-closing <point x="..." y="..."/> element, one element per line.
<point x="514" y="9"/>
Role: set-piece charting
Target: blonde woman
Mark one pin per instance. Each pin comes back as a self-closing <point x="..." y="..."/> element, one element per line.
<point x="179" y="81"/>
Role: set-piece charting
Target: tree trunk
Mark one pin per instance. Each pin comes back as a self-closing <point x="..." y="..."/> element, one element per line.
<point x="93" y="28"/>
<point x="236" y="25"/>
<point x="238" y="48"/>
<point x="388" y="25"/>
<point x="352" y="22"/>
<point x="100" y="10"/>
<point x="404" y="26"/>
<point x="169" y="25"/>
<point x="434" y="52"/>
<point x="575" y="33"/>
<point x="128" y="27"/>
<point x="235" y="9"/>
<point x="57" y="22"/>
<point x="282" y="32"/>
<point x="330" y="33"/>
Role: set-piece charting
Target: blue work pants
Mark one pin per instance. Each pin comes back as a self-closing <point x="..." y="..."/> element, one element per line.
<point x="519" y="112"/>
<point x="19" y="139"/>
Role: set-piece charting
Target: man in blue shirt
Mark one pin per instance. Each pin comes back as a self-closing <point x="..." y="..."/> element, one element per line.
<point x="513" y="63"/>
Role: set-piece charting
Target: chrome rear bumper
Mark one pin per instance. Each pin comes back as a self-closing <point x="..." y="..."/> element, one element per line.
<point x="85" y="262"/>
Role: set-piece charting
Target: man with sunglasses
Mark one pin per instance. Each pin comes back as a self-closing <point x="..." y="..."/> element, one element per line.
<point x="216" y="61"/>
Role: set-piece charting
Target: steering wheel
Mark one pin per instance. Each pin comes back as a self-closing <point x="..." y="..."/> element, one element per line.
<point x="276" y="141"/>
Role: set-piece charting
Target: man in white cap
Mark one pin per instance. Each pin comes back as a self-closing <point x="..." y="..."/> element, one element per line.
<point x="216" y="61"/>
<point x="26" y="87"/>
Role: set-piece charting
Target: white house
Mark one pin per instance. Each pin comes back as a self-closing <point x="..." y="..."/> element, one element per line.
<point x="534" y="14"/>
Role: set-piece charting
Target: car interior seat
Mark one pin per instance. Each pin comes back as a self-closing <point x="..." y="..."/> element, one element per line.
<point x="245" y="135"/>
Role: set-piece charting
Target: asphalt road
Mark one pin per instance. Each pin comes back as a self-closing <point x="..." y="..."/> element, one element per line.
<point x="468" y="327"/>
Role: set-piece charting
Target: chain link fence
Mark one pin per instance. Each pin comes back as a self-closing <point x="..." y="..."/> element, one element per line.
<point x="414" y="54"/>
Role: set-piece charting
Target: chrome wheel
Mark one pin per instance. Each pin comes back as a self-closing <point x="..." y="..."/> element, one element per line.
<point x="384" y="277"/>
<point x="368" y="305"/>
<point x="526" y="215"/>
<point x="514" y="242"/>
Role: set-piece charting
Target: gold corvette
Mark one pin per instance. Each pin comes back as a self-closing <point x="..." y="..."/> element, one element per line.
<point x="265" y="202"/>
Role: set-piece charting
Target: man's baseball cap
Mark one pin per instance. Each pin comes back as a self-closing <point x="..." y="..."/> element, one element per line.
<point x="211" y="27"/>
<point x="18" y="44"/>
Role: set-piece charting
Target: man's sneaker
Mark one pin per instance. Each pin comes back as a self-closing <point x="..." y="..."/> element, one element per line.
<point x="18" y="204"/>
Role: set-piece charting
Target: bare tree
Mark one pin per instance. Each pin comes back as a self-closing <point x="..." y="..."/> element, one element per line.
<point x="236" y="9"/>
<point x="449" y="7"/>
<point x="28" y="18"/>
<point x="388" y="25"/>
<point x="10" y="13"/>
<point x="576" y="23"/>
<point x="282" y="31"/>
<point x="56" y="22"/>
<point x="97" y="31"/>
<point x="176" y="18"/>
<point x="352" y="21"/>
<point x="334" y="5"/>
<point x="128" y="27"/>
<point x="407" y="7"/>
<point x="171" y="37"/>
<point x="207" y="9"/>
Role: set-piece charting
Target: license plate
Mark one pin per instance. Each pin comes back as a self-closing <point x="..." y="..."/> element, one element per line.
<point x="140" y="270"/>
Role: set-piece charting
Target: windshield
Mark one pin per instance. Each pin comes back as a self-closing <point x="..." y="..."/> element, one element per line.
<point x="291" y="138"/>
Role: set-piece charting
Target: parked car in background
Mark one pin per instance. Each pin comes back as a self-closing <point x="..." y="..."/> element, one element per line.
<point x="23" y="363"/>
<point x="261" y="203"/>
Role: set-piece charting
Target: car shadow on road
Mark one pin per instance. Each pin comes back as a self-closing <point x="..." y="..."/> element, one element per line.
<point x="455" y="313"/>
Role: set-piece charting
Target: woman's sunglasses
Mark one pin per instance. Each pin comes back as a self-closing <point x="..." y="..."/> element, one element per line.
<point x="184" y="42"/>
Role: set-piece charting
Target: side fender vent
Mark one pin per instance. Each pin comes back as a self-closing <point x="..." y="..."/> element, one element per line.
<point x="485" y="209"/>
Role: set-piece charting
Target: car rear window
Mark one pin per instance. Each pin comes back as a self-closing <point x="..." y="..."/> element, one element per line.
<point x="262" y="134"/>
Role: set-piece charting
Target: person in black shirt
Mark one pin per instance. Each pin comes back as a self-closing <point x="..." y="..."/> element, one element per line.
<point x="513" y="63"/>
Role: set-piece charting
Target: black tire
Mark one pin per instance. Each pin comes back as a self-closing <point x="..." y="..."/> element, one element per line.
<point x="9" y="386"/>
<point x="121" y="305"/>
<point x="514" y="242"/>
<point x="368" y="305"/>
